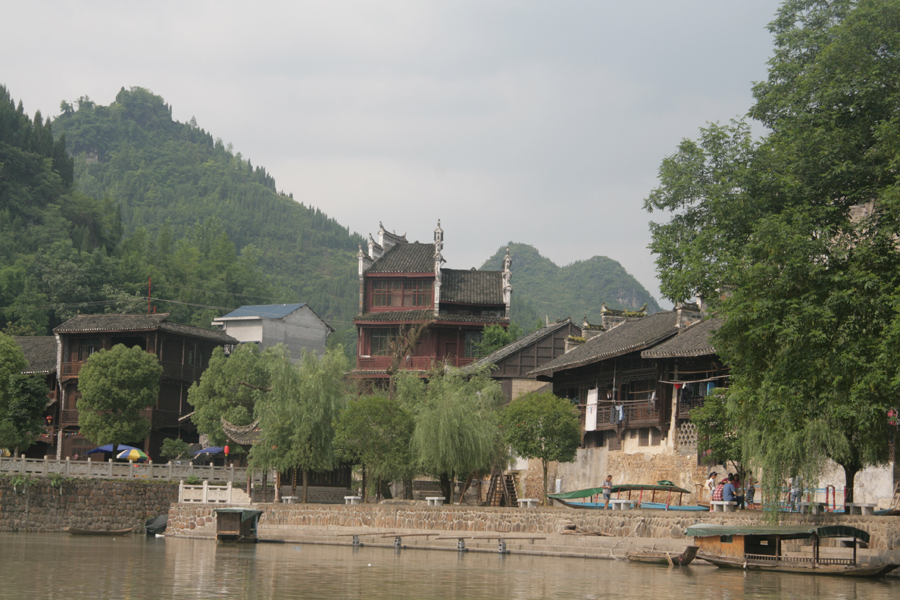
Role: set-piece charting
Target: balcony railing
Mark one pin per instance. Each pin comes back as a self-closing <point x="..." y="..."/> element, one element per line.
<point x="634" y="415"/>
<point x="686" y="406"/>
<point x="413" y="363"/>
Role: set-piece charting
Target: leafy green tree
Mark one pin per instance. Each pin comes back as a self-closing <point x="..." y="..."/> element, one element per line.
<point x="494" y="337"/>
<point x="375" y="432"/>
<point x="718" y="436"/>
<point x="229" y="389"/>
<point x="174" y="448"/>
<point x="116" y="386"/>
<point x="297" y="415"/>
<point x="23" y="398"/>
<point x="792" y="239"/>
<point x="456" y="423"/>
<point x="542" y="426"/>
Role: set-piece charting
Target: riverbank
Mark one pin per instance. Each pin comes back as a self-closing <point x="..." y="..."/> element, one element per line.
<point x="540" y="531"/>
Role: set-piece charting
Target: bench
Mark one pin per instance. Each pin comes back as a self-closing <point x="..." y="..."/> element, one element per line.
<point x="813" y="507"/>
<point x="352" y="499"/>
<point x="722" y="506"/>
<point x="528" y="502"/>
<point x="858" y="508"/>
<point x="621" y="504"/>
<point x="289" y="499"/>
<point x="435" y="500"/>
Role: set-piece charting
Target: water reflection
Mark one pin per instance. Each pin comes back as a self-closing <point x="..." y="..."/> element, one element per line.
<point x="58" y="566"/>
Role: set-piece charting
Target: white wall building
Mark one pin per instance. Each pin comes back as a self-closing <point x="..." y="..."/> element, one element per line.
<point x="296" y="326"/>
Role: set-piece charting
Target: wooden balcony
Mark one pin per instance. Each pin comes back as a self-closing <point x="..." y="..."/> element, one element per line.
<point x="68" y="418"/>
<point x="635" y="415"/>
<point x="685" y="407"/>
<point x="69" y="370"/>
<point x="414" y="363"/>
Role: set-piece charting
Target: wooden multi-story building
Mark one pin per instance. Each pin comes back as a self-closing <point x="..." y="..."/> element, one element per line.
<point x="40" y="352"/>
<point x="403" y="285"/>
<point x="183" y="352"/>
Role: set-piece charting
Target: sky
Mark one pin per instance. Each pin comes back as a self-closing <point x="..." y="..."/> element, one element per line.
<point x="541" y="123"/>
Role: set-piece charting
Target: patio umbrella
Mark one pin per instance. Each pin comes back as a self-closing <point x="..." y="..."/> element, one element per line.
<point x="109" y="448"/>
<point x="133" y="455"/>
<point x="211" y="450"/>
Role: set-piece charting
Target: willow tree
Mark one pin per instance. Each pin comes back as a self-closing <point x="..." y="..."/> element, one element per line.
<point x="792" y="239"/>
<point x="297" y="414"/>
<point x="456" y="423"/>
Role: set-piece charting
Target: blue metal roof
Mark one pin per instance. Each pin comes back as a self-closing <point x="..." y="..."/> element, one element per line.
<point x="266" y="311"/>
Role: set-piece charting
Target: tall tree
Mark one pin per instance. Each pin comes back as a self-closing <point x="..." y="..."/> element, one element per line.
<point x="296" y="417"/>
<point x="375" y="432"/>
<point x="456" y="423"/>
<point x="116" y="385"/>
<point x="544" y="427"/>
<point x="792" y="238"/>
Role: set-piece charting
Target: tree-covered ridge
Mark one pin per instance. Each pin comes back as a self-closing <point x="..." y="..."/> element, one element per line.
<point x="572" y="291"/>
<point x="167" y="177"/>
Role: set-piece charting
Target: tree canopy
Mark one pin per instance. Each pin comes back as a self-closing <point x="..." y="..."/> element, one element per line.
<point x="792" y="238"/>
<point x="23" y="398"/>
<point x="115" y="386"/>
<point x="542" y="426"/>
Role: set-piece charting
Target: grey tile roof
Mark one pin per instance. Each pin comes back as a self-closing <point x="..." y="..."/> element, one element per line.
<point x="39" y="351"/>
<point x="245" y="435"/>
<point x="414" y="316"/>
<point x="630" y="336"/>
<point x="471" y="287"/>
<point x="268" y="311"/>
<point x="405" y="258"/>
<point x="696" y="340"/>
<point x="117" y="322"/>
<point x="507" y="350"/>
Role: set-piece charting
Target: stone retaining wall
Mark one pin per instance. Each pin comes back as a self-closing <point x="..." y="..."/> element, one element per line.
<point x="184" y="520"/>
<point x="85" y="504"/>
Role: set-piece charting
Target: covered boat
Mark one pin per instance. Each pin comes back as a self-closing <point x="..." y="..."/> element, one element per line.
<point x="237" y="525"/>
<point x="646" y="495"/>
<point x="760" y="547"/>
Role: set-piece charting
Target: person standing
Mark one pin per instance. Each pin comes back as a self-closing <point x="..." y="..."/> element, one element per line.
<point x="711" y="483"/>
<point x="607" y="491"/>
<point x="751" y="491"/>
<point x="796" y="492"/>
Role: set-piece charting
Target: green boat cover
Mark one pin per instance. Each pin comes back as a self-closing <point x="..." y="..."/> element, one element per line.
<point x="625" y="487"/>
<point x="785" y="531"/>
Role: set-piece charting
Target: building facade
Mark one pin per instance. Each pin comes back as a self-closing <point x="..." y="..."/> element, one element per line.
<point x="413" y="313"/>
<point x="296" y="326"/>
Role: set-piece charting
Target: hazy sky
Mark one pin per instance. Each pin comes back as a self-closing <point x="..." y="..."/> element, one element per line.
<point x="535" y="122"/>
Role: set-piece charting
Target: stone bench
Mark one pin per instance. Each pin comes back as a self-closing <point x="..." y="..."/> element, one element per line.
<point x="435" y="500"/>
<point x="722" y="506"/>
<point x="858" y="508"/>
<point x="352" y="499"/>
<point x="528" y="502"/>
<point x="289" y="499"/>
<point x="621" y="504"/>
<point x="813" y="507"/>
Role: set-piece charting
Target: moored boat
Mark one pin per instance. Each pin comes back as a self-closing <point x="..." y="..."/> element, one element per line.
<point x="760" y="547"/>
<point x="79" y="531"/>
<point x="645" y="496"/>
<point x="664" y="558"/>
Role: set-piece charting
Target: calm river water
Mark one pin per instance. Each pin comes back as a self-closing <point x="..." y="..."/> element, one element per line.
<point x="135" y="567"/>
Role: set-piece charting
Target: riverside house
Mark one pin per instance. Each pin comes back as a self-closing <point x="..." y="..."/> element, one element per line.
<point x="182" y="350"/>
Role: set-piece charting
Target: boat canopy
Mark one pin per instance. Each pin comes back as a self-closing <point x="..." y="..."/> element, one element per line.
<point x="784" y="531"/>
<point x="625" y="487"/>
<point x="246" y="513"/>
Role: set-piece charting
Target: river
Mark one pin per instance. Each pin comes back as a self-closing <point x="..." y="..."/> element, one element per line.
<point x="135" y="567"/>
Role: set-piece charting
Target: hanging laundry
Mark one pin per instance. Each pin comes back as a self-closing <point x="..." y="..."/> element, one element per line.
<point x="620" y="412"/>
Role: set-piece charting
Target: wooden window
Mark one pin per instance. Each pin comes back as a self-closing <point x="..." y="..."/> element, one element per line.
<point x="644" y="436"/>
<point x="409" y="293"/>
<point x="473" y="338"/>
<point x="655" y="436"/>
<point x="86" y="347"/>
<point x="615" y="442"/>
<point x="379" y="341"/>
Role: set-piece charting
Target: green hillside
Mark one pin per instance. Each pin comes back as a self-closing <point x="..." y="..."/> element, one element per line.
<point x="168" y="178"/>
<point x="572" y="291"/>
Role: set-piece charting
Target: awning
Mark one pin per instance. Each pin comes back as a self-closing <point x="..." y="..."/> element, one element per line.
<point x="784" y="531"/>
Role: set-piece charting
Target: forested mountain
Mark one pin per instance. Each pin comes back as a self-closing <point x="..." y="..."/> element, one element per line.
<point x="170" y="180"/>
<point x="572" y="291"/>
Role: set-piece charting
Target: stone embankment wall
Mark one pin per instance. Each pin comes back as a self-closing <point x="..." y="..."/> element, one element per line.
<point x="280" y="520"/>
<point x="86" y="504"/>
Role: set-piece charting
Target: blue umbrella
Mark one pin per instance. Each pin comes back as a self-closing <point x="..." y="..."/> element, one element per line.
<point x="210" y="450"/>
<point x="109" y="448"/>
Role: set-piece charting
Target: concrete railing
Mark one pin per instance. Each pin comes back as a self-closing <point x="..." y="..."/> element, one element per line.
<point x="212" y="494"/>
<point x="125" y="471"/>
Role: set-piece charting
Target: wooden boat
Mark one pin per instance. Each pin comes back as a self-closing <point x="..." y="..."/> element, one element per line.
<point x="759" y="548"/>
<point x="646" y="496"/>
<point x="237" y="525"/>
<point x="79" y="531"/>
<point x="664" y="558"/>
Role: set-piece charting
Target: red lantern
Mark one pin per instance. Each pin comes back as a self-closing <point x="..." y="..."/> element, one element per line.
<point x="227" y="450"/>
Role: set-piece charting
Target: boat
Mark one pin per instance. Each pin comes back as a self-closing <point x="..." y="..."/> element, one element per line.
<point x="156" y="525"/>
<point x="760" y="548"/>
<point x="79" y="531"/>
<point x="237" y="525"/>
<point x="642" y="489"/>
<point x="664" y="558"/>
